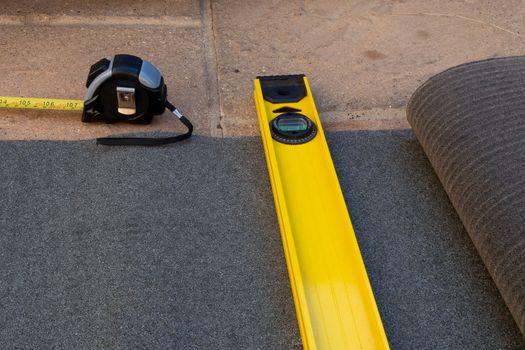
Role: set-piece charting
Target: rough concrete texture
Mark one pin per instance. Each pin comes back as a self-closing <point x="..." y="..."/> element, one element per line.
<point x="363" y="58"/>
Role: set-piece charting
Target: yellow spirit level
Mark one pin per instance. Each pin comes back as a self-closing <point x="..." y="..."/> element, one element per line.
<point x="334" y="302"/>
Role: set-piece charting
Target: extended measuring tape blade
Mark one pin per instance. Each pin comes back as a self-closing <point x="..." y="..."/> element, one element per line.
<point x="334" y="301"/>
<point x="41" y="103"/>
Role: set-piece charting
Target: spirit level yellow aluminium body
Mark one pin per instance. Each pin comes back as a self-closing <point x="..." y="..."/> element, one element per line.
<point x="334" y="302"/>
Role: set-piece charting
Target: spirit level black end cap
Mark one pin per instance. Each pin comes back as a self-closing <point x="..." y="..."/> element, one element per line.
<point x="283" y="88"/>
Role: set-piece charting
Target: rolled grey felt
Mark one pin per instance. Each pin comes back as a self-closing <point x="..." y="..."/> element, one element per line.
<point x="470" y="121"/>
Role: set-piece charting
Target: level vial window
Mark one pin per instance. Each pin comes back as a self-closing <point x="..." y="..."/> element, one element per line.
<point x="292" y="128"/>
<point x="292" y="124"/>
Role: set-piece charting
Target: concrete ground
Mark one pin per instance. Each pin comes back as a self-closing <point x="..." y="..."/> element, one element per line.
<point x="364" y="58"/>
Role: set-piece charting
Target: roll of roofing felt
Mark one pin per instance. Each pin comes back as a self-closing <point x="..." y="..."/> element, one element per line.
<point x="470" y="121"/>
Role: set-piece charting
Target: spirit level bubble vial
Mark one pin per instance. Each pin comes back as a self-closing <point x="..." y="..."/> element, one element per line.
<point x="333" y="298"/>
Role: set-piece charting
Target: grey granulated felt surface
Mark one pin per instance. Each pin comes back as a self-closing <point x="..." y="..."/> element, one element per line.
<point x="470" y="121"/>
<point x="179" y="247"/>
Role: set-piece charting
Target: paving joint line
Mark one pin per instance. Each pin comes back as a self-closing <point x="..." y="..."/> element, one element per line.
<point x="212" y="68"/>
<point x="67" y="20"/>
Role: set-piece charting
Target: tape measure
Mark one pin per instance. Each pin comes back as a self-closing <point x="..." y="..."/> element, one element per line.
<point x="124" y="88"/>
<point x="41" y="103"/>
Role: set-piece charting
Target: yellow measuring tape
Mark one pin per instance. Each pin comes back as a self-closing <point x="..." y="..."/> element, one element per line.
<point x="41" y="103"/>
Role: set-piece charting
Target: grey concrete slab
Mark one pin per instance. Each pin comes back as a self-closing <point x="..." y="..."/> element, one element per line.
<point x="364" y="58"/>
